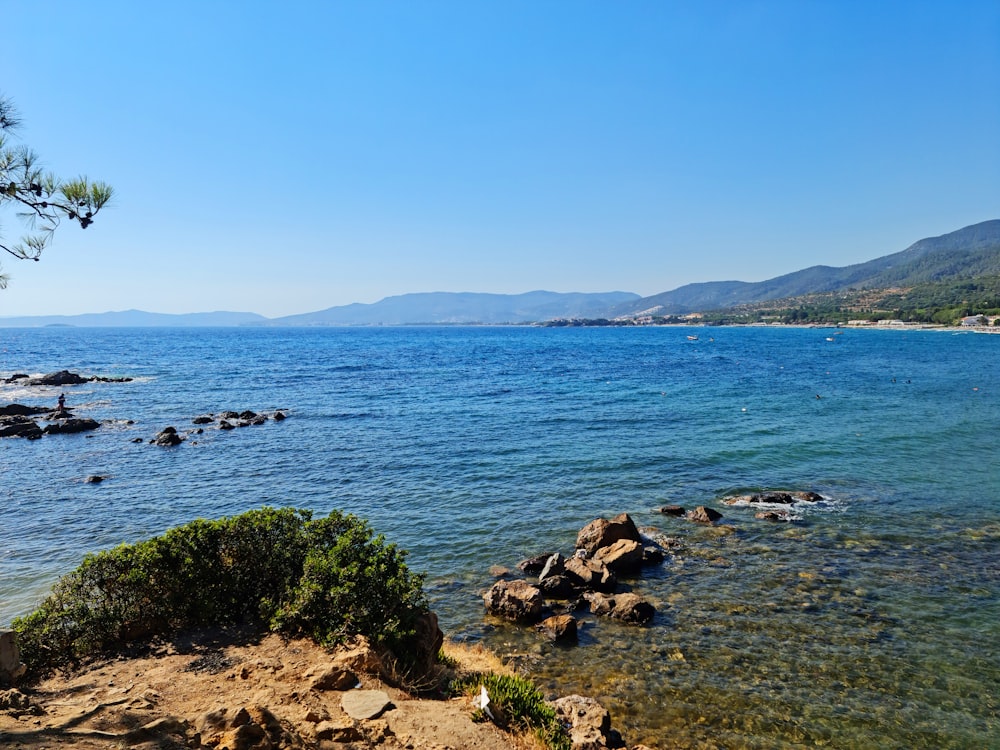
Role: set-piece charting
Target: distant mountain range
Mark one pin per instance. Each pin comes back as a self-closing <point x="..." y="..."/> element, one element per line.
<point x="964" y="254"/>
<point x="464" y="307"/>
<point x="133" y="318"/>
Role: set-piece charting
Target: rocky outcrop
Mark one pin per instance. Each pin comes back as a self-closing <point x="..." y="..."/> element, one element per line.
<point x="16" y="420"/>
<point x="64" y="426"/>
<point x="224" y="421"/>
<point x="774" y="497"/>
<point x="63" y="377"/>
<point x="20" y="410"/>
<point x="517" y="601"/>
<point x="20" y="427"/>
<point x="617" y="548"/>
<point x="602" y="532"/>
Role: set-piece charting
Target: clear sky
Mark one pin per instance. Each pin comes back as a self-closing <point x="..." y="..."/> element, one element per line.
<point x="287" y="157"/>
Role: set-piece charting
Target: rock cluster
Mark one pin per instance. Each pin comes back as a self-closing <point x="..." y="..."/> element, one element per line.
<point x="16" y="420"/>
<point x="227" y="420"/>
<point x="788" y="500"/>
<point x="605" y="549"/>
<point x="63" y="377"/>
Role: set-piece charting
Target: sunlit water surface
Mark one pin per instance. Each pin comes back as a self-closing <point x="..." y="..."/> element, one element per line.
<point x="872" y="621"/>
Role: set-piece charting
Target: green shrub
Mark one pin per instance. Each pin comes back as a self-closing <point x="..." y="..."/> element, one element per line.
<point x="516" y="703"/>
<point x="278" y="569"/>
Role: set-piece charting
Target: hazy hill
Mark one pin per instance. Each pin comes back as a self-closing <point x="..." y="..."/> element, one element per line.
<point x="966" y="253"/>
<point x="133" y="318"/>
<point x="463" y="307"/>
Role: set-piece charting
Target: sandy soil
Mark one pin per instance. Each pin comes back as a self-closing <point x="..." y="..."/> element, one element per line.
<point x="207" y="691"/>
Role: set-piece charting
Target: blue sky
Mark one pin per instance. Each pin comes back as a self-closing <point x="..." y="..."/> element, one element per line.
<point x="287" y="157"/>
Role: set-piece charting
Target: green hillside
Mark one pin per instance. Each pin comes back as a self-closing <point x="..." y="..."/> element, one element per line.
<point x="943" y="302"/>
<point x="968" y="253"/>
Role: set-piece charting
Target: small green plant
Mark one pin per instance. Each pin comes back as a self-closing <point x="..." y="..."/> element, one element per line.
<point x="516" y="703"/>
<point x="279" y="569"/>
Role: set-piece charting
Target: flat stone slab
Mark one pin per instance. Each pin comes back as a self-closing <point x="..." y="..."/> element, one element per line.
<point x="365" y="704"/>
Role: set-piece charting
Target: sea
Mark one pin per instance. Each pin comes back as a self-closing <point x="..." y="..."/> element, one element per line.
<point x="871" y="619"/>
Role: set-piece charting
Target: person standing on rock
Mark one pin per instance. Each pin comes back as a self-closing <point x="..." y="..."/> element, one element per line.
<point x="62" y="402"/>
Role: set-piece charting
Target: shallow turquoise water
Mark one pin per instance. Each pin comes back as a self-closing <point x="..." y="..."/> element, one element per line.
<point x="869" y="622"/>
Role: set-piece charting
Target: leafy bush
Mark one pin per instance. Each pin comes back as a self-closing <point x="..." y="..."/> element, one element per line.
<point x="329" y="578"/>
<point x="516" y="703"/>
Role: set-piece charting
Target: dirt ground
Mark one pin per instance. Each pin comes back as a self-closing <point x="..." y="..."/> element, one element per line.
<point x="226" y="695"/>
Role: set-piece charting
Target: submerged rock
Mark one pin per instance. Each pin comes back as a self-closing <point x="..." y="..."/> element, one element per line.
<point x="773" y="515"/>
<point x="559" y="628"/>
<point x="703" y="514"/>
<point x="629" y="608"/>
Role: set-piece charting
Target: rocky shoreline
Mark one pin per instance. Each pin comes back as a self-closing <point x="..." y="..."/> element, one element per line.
<point x="24" y="421"/>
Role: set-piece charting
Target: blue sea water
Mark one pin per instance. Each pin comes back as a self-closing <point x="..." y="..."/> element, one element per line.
<point x="871" y="621"/>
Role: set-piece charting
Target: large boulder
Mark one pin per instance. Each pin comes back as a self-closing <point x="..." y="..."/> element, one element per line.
<point x="517" y="601"/>
<point x="602" y="532"/>
<point x="621" y="557"/>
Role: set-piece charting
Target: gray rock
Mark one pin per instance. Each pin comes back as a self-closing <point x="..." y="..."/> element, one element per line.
<point x="365" y="704"/>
